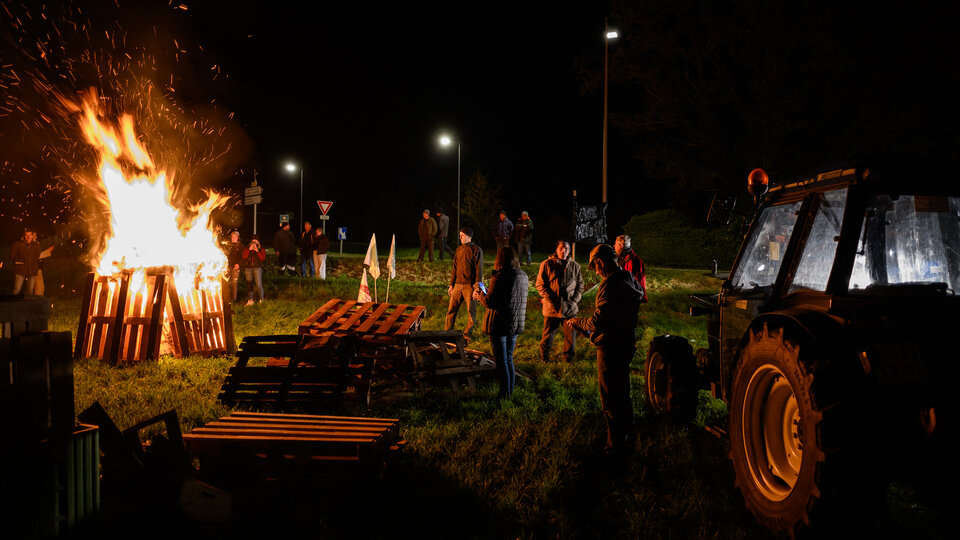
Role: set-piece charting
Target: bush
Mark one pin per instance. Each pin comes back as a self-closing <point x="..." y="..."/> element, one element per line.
<point x="667" y="238"/>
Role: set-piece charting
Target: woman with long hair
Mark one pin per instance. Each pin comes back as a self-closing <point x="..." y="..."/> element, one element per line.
<point x="506" y="303"/>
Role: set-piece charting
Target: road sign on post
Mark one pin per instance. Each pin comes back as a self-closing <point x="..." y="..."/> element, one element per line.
<point x="324" y="206"/>
<point x="341" y="235"/>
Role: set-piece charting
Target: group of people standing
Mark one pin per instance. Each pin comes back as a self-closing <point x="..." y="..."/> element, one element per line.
<point x="433" y="231"/>
<point x="251" y="257"/>
<point x="519" y="235"/>
<point x="611" y="328"/>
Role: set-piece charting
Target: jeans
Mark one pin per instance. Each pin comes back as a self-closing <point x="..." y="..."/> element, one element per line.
<point x="234" y="278"/>
<point x="502" y="347"/>
<point x="307" y="269"/>
<point x="251" y="275"/>
<point x="550" y="327"/>
<point x="19" y="282"/>
<point x="613" y="376"/>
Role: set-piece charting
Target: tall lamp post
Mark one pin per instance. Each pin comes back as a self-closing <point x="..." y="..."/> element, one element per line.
<point x="445" y="141"/>
<point x="291" y="167"/>
<point x="609" y="34"/>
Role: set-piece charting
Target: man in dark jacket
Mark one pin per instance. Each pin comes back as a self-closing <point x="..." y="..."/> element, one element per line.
<point x="443" y="229"/>
<point x="26" y="262"/>
<point x="630" y="261"/>
<point x="612" y="329"/>
<point x="466" y="272"/>
<point x="234" y="251"/>
<point x="503" y="230"/>
<point x="427" y="231"/>
<point x="307" y="247"/>
<point x="560" y="285"/>
<point x="524" y="234"/>
<point x="286" y="247"/>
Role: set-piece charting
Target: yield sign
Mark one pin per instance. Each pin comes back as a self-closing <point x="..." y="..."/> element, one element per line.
<point x="324" y="206"/>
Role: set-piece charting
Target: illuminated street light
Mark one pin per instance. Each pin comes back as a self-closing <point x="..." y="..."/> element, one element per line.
<point x="610" y="34"/>
<point x="291" y="167"/>
<point x="446" y="141"/>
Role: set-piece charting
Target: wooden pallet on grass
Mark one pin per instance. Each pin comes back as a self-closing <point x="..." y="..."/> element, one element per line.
<point x="387" y="323"/>
<point x="443" y="354"/>
<point x="295" y="446"/>
<point x="300" y="370"/>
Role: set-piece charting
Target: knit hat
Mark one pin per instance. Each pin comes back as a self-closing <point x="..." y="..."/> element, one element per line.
<point x="467" y="231"/>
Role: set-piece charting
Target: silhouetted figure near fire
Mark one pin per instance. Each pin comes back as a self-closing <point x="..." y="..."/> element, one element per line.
<point x="286" y="247"/>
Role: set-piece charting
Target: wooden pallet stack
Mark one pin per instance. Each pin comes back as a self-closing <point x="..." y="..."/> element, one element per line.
<point x="119" y="324"/>
<point x="295" y="446"/>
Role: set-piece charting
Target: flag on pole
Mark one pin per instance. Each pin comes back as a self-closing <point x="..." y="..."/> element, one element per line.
<point x="392" y="259"/>
<point x="364" y="294"/>
<point x="371" y="261"/>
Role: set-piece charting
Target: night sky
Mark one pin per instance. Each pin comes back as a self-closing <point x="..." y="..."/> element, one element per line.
<point x="358" y="93"/>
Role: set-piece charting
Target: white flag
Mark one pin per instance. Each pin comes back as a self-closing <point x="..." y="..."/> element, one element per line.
<point x="364" y="294"/>
<point x="392" y="259"/>
<point x="371" y="261"/>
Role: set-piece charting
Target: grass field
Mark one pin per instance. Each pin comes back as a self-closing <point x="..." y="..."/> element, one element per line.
<point x="475" y="466"/>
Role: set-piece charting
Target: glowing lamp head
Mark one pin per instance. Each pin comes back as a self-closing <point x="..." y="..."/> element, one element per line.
<point x="445" y="141"/>
<point x="612" y="34"/>
<point x="757" y="182"/>
<point x="291" y="167"/>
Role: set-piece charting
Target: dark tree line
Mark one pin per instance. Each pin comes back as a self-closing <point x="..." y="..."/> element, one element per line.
<point x="703" y="92"/>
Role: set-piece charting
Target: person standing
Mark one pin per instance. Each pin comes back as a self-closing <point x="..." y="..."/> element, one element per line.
<point x="631" y="262"/>
<point x="467" y="271"/>
<point x="612" y="329"/>
<point x="560" y="284"/>
<point x="427" y="230"/>
<point x="506" y="304"/>
<point x="252" y="260"/>
<point x="321" y="244"/>
<point x="26" y="262"/>
<point x="286" y="247"/>
<point x="234" y="258"/>
<point x="524" y="235"/>
<point x="443" y="227"/>
<point x="502" y="231"/>
<point x="307" y="268"/>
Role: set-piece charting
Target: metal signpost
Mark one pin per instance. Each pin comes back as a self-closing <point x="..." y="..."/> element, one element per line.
<point x="253" y="195"/>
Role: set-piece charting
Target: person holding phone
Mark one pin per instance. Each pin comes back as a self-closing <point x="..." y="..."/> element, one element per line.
<point x="506" y="304"/>
<point x="252" y="259"/>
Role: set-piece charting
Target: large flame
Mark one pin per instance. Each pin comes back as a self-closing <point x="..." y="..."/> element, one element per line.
<point x="145" y="228"/>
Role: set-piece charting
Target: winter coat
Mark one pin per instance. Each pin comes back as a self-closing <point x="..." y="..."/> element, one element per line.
<point x="631" y="262"/>
<point x="253" y="259"/>
<point x="321" y="243"/>
<point x="467" y="265"/>
<point x="284" y="242"/>
<point x="234" y="253"/>
<point x="307" y="244"/>
<point x="26" y="258"/>
<point x="506" y="303"/>
<point x="502" y="230"/>
<point x="559" y="299"/>
<point x="443" y="225"/>
<point x="614" y="321"/>
<point x="427" y="228"/>
<point x="524" y="231"/>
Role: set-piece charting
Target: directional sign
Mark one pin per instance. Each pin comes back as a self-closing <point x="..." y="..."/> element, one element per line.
<point x="324" y="206"/>
<point x="341" y="233"/>
<point x="252" y="199"/>
<point x="253" y="191"/>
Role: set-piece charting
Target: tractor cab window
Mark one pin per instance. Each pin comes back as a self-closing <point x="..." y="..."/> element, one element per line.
<point x="908" y="240"/>
<point x="820" y="249"/>
<point x="763" y="251"/>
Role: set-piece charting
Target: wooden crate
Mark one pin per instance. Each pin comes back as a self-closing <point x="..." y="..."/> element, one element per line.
<point x="387" y="323"/>
<point x="297" y="445"/>
<point x="119" y="325"/>
<point x="300" y="370"/>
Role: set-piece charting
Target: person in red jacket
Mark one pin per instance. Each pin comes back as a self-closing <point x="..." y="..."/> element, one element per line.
<point x="252" y="262"/>
<point x="631" y="262"/>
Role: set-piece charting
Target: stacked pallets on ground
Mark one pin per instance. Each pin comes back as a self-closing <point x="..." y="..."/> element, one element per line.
<point x="294" y="446"/>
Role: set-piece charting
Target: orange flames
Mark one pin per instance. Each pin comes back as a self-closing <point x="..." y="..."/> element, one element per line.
<point x="145" y="228"/>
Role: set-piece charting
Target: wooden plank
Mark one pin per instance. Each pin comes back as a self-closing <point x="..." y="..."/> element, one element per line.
<point x="83" y="326"/>
<point x="315" y="316"/>
<point x="119" y="309"/>
<point x="306" y="417"/>
<point x="347" y="305"/>
<point x="227" y="308"/>
<point x="179" y="333"/>
<point x="158" y="302"/>
<point x="361" y="309"/>
<point x="100" y="307"/>
<point x="388" y="324"/>
<point x="373" y="318"/>
<point x="411" y="319"/>
<point x="132" y="332"/>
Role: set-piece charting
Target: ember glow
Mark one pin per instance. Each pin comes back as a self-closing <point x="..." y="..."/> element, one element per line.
<point x="145" y="228"/>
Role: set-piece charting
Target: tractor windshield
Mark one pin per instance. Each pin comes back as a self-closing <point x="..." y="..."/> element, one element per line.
<point x="908" y="240"/>
<point x="762" y="253"/>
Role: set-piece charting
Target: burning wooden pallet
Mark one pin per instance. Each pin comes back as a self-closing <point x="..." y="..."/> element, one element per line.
<point x="121" y="325"/>
<point x="296" y="445"/>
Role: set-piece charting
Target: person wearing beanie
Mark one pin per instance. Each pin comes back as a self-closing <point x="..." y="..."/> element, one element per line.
<point x="467" y="271"/>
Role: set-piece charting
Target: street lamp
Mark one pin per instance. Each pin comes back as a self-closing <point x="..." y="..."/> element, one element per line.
<point x="445" y="141"/>
<point x="609" y="34"/>
<point x="291" y="167"/>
